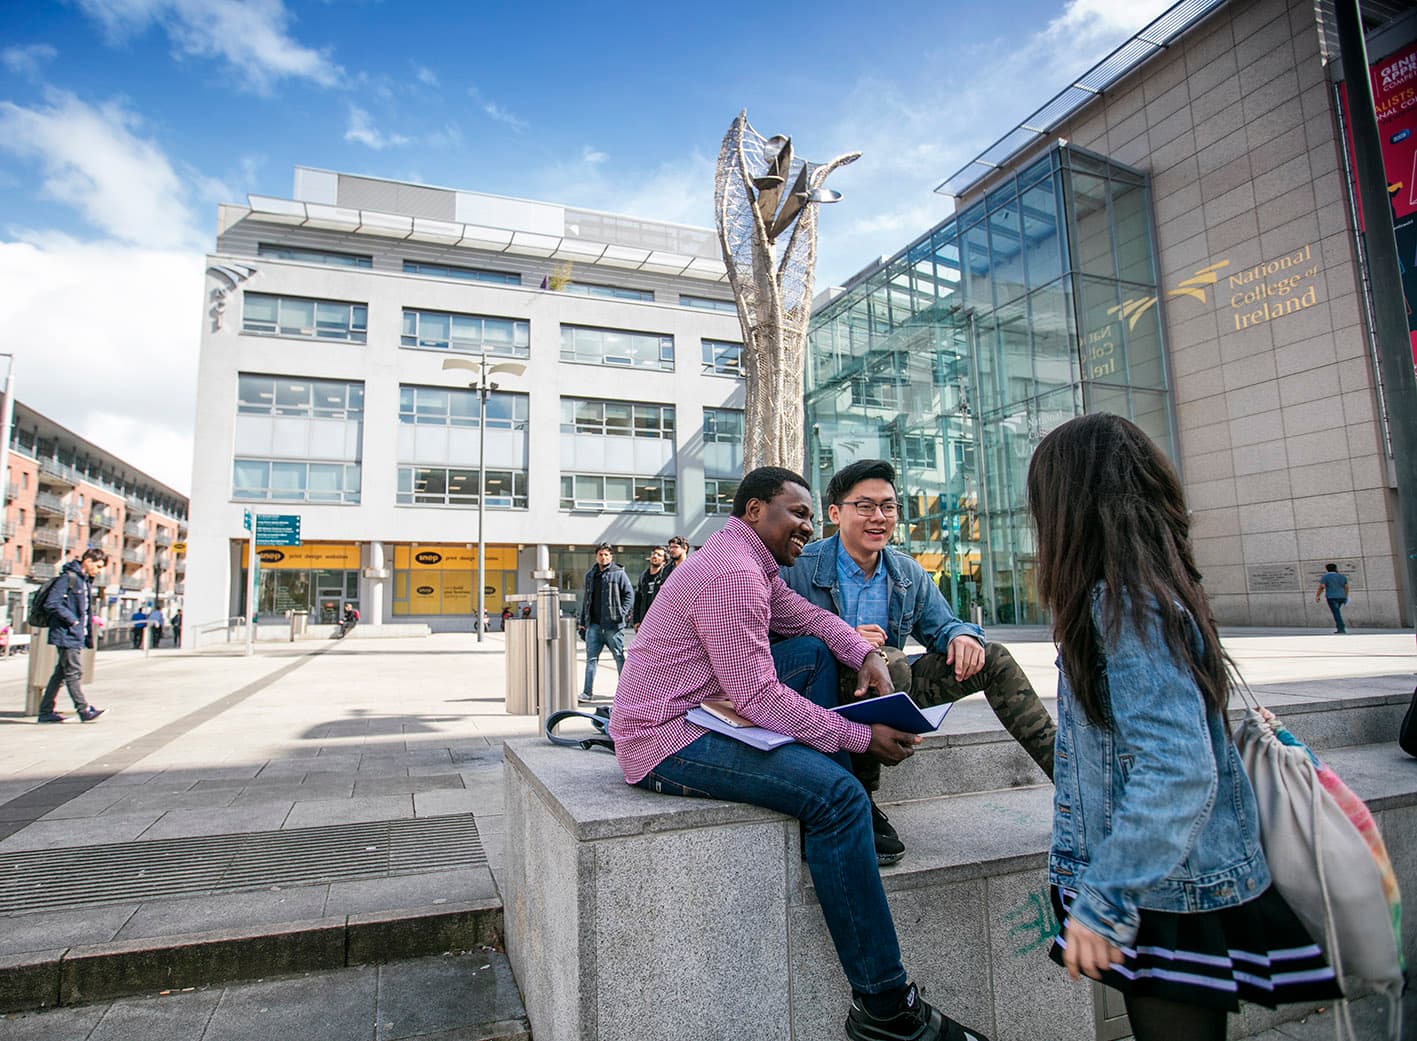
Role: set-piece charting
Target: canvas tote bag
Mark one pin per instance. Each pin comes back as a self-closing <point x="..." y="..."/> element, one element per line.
<point x="1327" y="860"/>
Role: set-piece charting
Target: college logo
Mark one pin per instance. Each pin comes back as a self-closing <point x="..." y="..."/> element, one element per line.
<point x="1195" y="287"/>
<point x="424" y="590"/>
<point x="270" y="556"/>
<point x="428" y="557"/>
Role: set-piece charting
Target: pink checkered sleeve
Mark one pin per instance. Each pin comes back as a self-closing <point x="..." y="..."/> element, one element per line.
<point x="732" y="616"/>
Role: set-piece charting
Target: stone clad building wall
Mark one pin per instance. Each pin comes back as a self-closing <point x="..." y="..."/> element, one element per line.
<point x="1279" y="432"/>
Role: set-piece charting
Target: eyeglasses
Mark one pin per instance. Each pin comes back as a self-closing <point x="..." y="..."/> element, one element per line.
<point x="868" y="507"/>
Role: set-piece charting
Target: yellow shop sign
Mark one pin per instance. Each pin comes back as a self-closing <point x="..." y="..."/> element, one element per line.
<point x="313" y="556"/>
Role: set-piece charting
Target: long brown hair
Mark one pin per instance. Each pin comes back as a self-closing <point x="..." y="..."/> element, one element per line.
<point x="1109" y="508"/>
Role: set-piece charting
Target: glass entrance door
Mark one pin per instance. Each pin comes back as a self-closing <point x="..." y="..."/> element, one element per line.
<point x="329" y="601"/>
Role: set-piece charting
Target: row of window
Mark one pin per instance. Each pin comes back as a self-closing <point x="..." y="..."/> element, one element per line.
<point x="473" y="274"/>
<point x="273" y="481"/>
<point x="345" y="322"/>
<point x="443" y="406"/>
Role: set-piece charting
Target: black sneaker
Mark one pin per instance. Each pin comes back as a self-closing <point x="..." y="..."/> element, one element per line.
<point x="916" y="1020"/>
<point x="89" y="713"/>
<point x="51" y="717"/>
<point x="889" y="848"/>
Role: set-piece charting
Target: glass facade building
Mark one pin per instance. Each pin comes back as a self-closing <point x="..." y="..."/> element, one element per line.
<point x="1032" y="304"/>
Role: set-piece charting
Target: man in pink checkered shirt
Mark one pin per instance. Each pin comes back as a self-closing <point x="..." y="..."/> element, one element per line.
<point x="706" y="636"/>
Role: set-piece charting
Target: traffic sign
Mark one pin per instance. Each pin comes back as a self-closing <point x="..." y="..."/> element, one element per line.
<point x="278" y="529"/>
<point x="246" y="519"/>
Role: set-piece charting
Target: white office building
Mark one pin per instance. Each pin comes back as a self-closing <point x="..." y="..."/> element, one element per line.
<point x="322" y="393"/>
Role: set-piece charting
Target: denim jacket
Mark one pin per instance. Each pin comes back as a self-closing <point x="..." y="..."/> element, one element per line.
<point x="917" y="608"/>
<point x="1154" y="811"/>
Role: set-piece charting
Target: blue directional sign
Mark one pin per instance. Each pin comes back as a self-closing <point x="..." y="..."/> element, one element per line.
<point x="278" y="529"/>
<point x="246" y="520"/>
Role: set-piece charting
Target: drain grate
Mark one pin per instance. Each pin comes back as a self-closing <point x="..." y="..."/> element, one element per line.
<point x="43" y="880"/>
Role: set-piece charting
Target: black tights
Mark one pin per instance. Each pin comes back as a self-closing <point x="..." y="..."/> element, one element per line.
<point x="1156" y="1019"/>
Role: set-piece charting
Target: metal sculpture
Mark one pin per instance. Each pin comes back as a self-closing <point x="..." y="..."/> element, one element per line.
<point x="754" y="207"/>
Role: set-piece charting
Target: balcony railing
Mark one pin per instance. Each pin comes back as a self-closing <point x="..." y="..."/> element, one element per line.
<point x="134" y="530"/>
<point x="10" y="491"/>
<point x="132" y="583"/>
<point x="48" y="537"/>
<point x="6" y="566"/>
<point x="48" y="502"/>
<point x="42" y="570"/>
<point x="52" y="471"/>
<point x="134" y="556"/>
<point x="163" y="538"/>
<point x="181" y="565"/>
<point x="101" y="520"/>
<point x="7" y="529"/>
<point x="179" y="588"/>
<point x="136" y="507"/>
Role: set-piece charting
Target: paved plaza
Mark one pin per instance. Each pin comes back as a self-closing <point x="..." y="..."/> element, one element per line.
<point x="345" y="747"/>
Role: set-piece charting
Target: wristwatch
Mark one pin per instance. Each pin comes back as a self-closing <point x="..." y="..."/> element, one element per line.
<point x="884" y="656"/>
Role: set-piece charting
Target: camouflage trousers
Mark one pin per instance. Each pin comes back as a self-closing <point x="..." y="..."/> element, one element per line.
<point x="930" y="681"/>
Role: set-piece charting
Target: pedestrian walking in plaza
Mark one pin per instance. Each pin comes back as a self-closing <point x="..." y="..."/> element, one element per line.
<point x="155" y="624"/>
<point x="651" y="578"/>
<point x="606" y="607"/>
<point x="140" y="620"/>
<point x="1156" y="862"/>
<point x="708" y="638"/>
<point x="70" y="631"/>
<point x="1333" y="587"/>
<point x="887" y="597"/>
<point x="177" y="628"/>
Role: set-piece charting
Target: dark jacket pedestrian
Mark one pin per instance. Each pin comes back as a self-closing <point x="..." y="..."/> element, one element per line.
<point x="177" y="628"/>
<point x="608" y="605"/>
<point x="650" y="580"/>
<point x="70" y="631"/>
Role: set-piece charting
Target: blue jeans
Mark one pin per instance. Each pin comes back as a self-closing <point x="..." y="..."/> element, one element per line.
<point x="821" y="792"/>
<point x="1335" y="604"/>
<point x="597" y="638"/>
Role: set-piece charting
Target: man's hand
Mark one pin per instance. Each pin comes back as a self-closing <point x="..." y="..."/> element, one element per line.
<point x="874" y="675"/>
<point x="966" y="655"/>
<point x="891" y="746"/>
<point x="872" y="634"/>
<point x="1087" y="953"/>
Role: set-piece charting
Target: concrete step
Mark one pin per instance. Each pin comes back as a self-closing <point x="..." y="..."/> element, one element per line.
<point x="468" y="996"/>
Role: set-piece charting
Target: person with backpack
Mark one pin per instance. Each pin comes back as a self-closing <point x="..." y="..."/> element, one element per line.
<point x="1157" y="870"/>
<point x="62" y="605"/>
<point x="348" y="620"/>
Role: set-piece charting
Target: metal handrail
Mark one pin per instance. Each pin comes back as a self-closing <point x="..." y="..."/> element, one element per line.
<point x="234" y="627"/>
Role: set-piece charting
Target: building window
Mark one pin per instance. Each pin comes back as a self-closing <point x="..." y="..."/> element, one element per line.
<point x="467" y="333"/>
<point x="310" y="319"/>
<point x="465" y="274"/>
<point x="605" y="292"/>
<point x="708" y="303"/>
<point x="616" y="418"/>
<point x="452" y="486"/>
<point x="592" y="346"/>
<point x="718" y="495"/>
<point x="313" y="256"/>
<point x="723" y="426"/>
<point x="615" y="493"/>
<point x="290" y="481"/>
<point x="282" y="396"/>
<point x="722" y="358"/>
<point x="439" y="406"/>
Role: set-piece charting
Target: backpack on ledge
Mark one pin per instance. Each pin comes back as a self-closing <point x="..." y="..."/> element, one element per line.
<point x="599" y="720"/>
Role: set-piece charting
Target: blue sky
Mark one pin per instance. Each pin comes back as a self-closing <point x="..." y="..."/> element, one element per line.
<point x="123" y="123"/>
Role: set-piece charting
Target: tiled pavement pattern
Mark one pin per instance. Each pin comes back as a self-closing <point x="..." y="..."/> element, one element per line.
<point x="322" y="734"/>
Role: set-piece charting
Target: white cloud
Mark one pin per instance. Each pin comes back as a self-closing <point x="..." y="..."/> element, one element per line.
<point x="363" y="131"/>
<point x="106" y="338"/>
<point x="425" y="75"/>
<point x="593" y="156"/>
<point x="496" y="112"/>
<point x="26" y="60"/>
<point x="252" y="36"/>
<point x="94" y="161"/>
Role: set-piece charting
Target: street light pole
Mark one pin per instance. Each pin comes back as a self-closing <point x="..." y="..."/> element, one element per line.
<point x="482" y="388"/>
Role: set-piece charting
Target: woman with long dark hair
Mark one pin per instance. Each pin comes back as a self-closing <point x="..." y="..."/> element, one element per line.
<point x="1156" y="867"/>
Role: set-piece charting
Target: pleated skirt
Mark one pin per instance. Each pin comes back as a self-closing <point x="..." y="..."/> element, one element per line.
<point x="1256" y="951"/>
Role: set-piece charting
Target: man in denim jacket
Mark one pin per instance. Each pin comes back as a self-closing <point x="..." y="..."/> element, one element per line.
<point x="888" y="597"/>
<point x="70" y="631"/>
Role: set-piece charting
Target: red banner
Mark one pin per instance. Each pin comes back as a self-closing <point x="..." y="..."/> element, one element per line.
<point x="1395" y="98"/>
